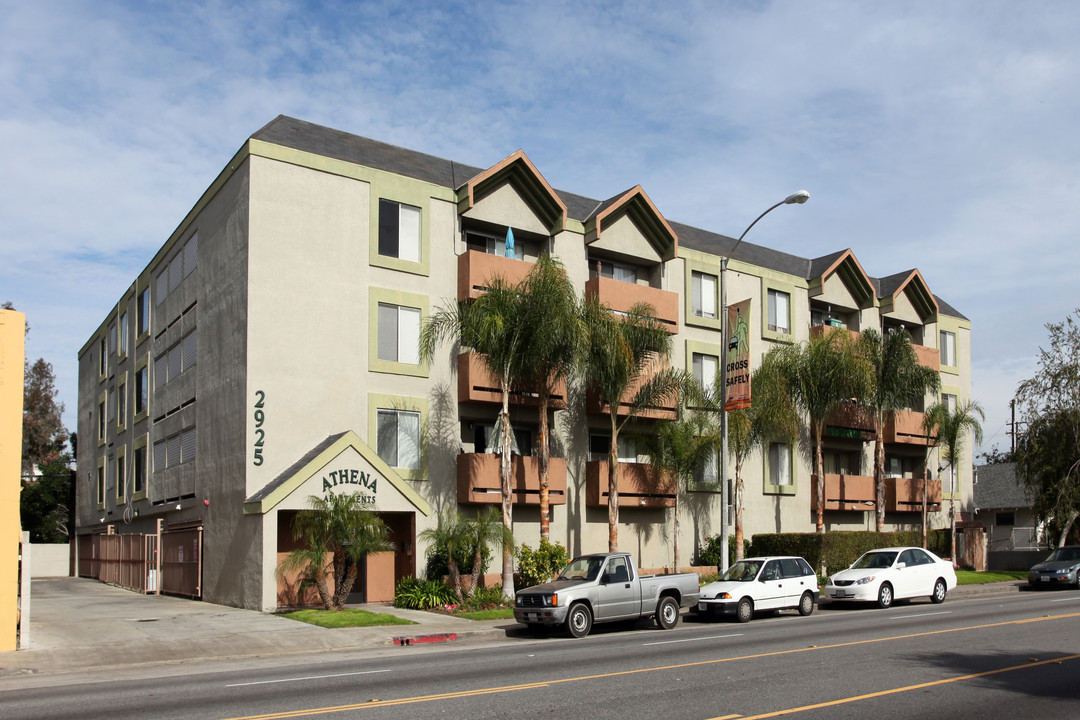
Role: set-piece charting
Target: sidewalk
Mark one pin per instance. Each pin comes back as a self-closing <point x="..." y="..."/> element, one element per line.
<point x="79" y="624"/>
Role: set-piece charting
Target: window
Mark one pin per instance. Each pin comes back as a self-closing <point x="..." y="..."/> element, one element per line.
<point x="779" y="312"/>
<point x="485" y="440"/>
<point x="178" y="359"/>
<point x="112" y="405"/>
<point x="123" y="333"/>
<point x="947" y="348"/>
<point x="703" y="294"/>
<point x="710" y="471"/>
<point x="121" y="403"/>
<point x="182" y="264"/>
<point x="112" y="339"/>
<point x="191" y="254"/>
<point x="600" y="445"/>
<point x="493" y="245"/>
<point x="120" y="479"/>
<point x="399" y="333"/>
<point x="617" y="271"/>
<point x="187" y="445"/>
<point x="1005" y="518"/>
<point x="101" y="421"/>
<point x="103" y="363"/>
<point x="101" y="484"/>
<point x="174" y="450"/>
<point x="399" y="231"/>
<point x="949" y="401"/>
<point x="142" y="313"/>
<point x="780" y="464"/>
<point x="705" y="368"/>
<point x="138" y="471"/>
<point x="141" y="389"/>
<point x="398" y="441"/>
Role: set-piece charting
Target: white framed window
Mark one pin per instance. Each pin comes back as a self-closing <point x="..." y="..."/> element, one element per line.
<point x="710" y="471"/>
<point x="399" y="333"/>
<point x="705" y="368"/>
<point x="399" y="230"/>
<point x="398" y="438"/>
<point x="949" y="401"/>
<point x="947" y="347"/>
<point x="779" y="311"/>
<point x="703" y="294"/>
<point x="780" y="464"/>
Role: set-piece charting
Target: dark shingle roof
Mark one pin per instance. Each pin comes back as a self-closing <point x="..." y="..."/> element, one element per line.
<point x="998" y="487"/>
<point x="294" y="468"/>
<point x="308" y="137"/>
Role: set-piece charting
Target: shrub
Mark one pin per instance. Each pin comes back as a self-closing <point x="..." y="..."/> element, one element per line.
<point x="484" y="599"/>
<point x="713" y="551"/>
<point x="836" y="550"/>
<point x="418" y="594"/>
<point x="540" y="565"/>
<point x="436" y="560"/>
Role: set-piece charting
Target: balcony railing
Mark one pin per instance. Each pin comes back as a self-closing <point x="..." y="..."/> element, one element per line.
<point x="856" y="492"/>
<point x="620" y="296"/>
<point x="928" y="356"/>
<point x="906" y="427"/>
<point x="639" y="486"/>
<point x="477" y="269"/>
<point x="852" y="418"/>
<point x="478" y="479"/>
<point x="475" y="384"/>
<point x="665" y="410"/>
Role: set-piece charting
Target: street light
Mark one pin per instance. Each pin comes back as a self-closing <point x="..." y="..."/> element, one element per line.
<point x="797" y="198"/>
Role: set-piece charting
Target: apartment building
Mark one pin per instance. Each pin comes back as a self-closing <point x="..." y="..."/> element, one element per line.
<point x="268" y="353"/>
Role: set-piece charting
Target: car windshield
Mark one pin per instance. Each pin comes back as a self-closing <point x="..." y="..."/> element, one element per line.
<point x="874" y="560"/>
<point x="743" y="571"/>
<point x="583" y="568"/>
<point x="1064" y="554"/>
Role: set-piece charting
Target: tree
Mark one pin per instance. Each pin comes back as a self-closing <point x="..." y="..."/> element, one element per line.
<point x="553" y="347"/>
<point x="45" y="503"/>
<point x="821" y="374"/>
<point x="952" y="428"/>
<point x="480" y="532"/>
<point x="44" y="434"/>
<point x="493" y="325"/>
<point x="1048" y="450"/>
<point x="897" y="382"/>
<point x="624" y="352"/>
<point x="337" y="532"/>
<point x="771" y="417"/>
<point x="448" y="535"/>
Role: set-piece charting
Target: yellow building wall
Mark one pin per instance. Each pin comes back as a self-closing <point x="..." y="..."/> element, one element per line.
<point x="12" y="357"/>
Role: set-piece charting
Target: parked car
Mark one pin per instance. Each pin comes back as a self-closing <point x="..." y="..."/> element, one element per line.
<point x="889" y="574"/>
<point x="604" y="588"/>
<point x="1061" y="568"/>
<point x="761" y="583"/>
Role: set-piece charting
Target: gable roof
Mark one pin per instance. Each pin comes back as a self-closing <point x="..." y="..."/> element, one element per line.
<point x="997" y="487"/>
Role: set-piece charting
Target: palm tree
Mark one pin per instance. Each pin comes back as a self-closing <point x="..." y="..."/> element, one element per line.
<point x="623" y="350"/>
<point x="493" y="326"/>
<point x="952" y="428"/>
<point x="337" y="532"/>
<point x="449" y="535"/>
<point x="821" y="374"/>
<point x="554" y="345"/>
<point x="771" y="417"/>
<point x="898" y="381"/>
<point x="481" y="531"/>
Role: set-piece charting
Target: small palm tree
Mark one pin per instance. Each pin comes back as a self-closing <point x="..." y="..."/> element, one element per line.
<point x="623" y="350"/>
<point x="480" y="532"/>
<point x="898" y="382"/>
<point x="337" y="532"/>
<point x="952" y="428"/>
<point x="449" y="535"/>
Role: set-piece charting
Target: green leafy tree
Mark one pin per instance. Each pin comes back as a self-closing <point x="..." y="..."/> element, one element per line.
<point x="897" y="382"/>
<point x="449" y="536"/>
<point x="952" y="428"/>
<point x="337" y="533"/>
<point x="821" y="374"/>
<point x="493" y="325"/>
<point x="480" y="532"/>
<point x="625" y="352"/>
<point x="46" y="503"/>
<point x="1048" y="451"/>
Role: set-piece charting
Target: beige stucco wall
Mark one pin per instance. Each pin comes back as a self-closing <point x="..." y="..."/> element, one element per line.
<point x="12" y="357"/>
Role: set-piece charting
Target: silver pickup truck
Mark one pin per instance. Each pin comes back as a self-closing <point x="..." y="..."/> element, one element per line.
<point x="604" y="588"/>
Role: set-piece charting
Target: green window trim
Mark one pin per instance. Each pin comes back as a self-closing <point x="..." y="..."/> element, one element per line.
<point x="703" y="263"/>
<point x="378" y="295"/>
<point x="404" y="192"/>
<point x="767" y="284"/>
<point x="380" y="401"/>
<point x="770" y="488"/>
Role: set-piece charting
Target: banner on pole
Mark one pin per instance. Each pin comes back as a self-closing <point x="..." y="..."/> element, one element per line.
<point x="737" y="357"/>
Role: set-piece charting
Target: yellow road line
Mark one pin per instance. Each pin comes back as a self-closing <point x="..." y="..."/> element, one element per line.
<point x="909" y="688"/>
<point x="546" y="683"/>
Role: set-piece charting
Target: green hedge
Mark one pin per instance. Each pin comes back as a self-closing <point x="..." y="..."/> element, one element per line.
<point x="836" y="550"/>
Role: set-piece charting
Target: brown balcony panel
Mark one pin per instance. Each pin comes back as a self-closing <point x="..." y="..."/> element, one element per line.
<point x="664" y="411"/>
<point x="845" y="492"/>
<point x="905" y="495"/>
<point x="475" y="384"/>
<point x="477" y="269"/>
<point x="851" y="416"/>
<point x="928" y="356"/>
<point x="906" y="427"/>
<point x="639" y="486"/>
<point x="478" y="479"/>
<point x="819" y="329"/>
<point x="621" y="296"/>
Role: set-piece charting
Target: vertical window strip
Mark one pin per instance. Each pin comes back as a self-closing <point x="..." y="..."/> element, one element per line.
<point x="161" y="371"/>
<point x="408" y="350"/>
<point x="138" y="475"/>
<point x="159" y="455"/>
<point x="175" y="361"/>
<point x="409" y="233"/>
<point x="191" y="349"/>
<point x="141" y="394"/>
<point x="187" y="445"/>
<point x="172" y="451"/>
<point x="191" y="254"/>
<point x="388" y="332"/>
<point x="389" y="232"/>
<point x="162" y="285"/>
<point x="123" y="333"/>
<point x="142" y="312"/>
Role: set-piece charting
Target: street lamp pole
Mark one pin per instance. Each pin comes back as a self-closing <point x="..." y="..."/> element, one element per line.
<point x="797" y="198"/>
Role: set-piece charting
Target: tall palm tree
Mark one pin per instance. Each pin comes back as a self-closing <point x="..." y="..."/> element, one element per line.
<point x="952" y="428"/>
<point x="337" y="533"/>
<point x="554" y="345"/>
<point x="480" y="532"/>
<point x="493" y="326"/>
<point x="449" y="535"/>
<point x="771" y="417"/>
<point x="898" y="382"/>
<point x="821" y="374"/>
<point x="624" y="350"/>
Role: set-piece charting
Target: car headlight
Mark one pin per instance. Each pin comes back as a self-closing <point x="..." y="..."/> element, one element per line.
<point x="865" y="580"/>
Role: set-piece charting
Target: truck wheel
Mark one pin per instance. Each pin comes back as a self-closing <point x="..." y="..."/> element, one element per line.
<point x="745" y="611"/>
<point x="806" y="604"/>
<point x="579" y="620"/>
<point x="667" y="613"/>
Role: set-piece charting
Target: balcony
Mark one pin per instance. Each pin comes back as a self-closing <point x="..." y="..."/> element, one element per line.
<point x="906" y="428"/>
<point x="475" y="384"/>
<point x="476" y="270"/>
<point x="928" y="357"/>
<point x="856" y="492"/>
<point x="620" y="296"/>
<point x="478" y="479"/>
<point x="850" y="420"/>
<point x="639" y="486"/>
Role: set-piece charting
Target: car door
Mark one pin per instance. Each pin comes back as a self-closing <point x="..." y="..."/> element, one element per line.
<point x="926" y="573"/>
<point x="769" y="588"/>
<point x="797" y="580"/>
<point x="617" y="593"/>
<point x="906" y="579"/>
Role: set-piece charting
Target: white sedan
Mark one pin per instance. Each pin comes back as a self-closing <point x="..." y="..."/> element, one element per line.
<point x="762" y="583"/>
<point x="889" y="574"/>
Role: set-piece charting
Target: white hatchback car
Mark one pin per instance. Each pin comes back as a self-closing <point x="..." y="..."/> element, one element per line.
<point x="761" y="583"/>
<point x="889" y="574"/>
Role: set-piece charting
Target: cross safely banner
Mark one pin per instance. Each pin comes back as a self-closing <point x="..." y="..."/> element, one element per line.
<point x="737" y="357"/>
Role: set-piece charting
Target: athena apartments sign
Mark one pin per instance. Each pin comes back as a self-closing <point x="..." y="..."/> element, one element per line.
<point x="363" y="483"/>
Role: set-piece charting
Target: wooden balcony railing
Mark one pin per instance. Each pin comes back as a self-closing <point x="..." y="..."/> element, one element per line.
<point x="478" y="479"/>
<point x="857" y="492"/>
<point x="639" y="486"/>
<point x="906" y="427"/>
<point x="475" y="384"/>
<point x="476" y="270"/>
<point x="620" y="296"/>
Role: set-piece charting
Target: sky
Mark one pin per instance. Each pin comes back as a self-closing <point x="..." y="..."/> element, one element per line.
<point x="941" y="136"/>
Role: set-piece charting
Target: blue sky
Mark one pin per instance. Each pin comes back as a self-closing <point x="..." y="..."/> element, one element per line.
<point x="929" y="134"/>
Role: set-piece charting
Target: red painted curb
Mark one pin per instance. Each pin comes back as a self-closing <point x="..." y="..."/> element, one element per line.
<point x="438" y="637"/>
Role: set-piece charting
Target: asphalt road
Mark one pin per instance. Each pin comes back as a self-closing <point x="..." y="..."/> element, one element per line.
<point x="1017" y="655"/>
